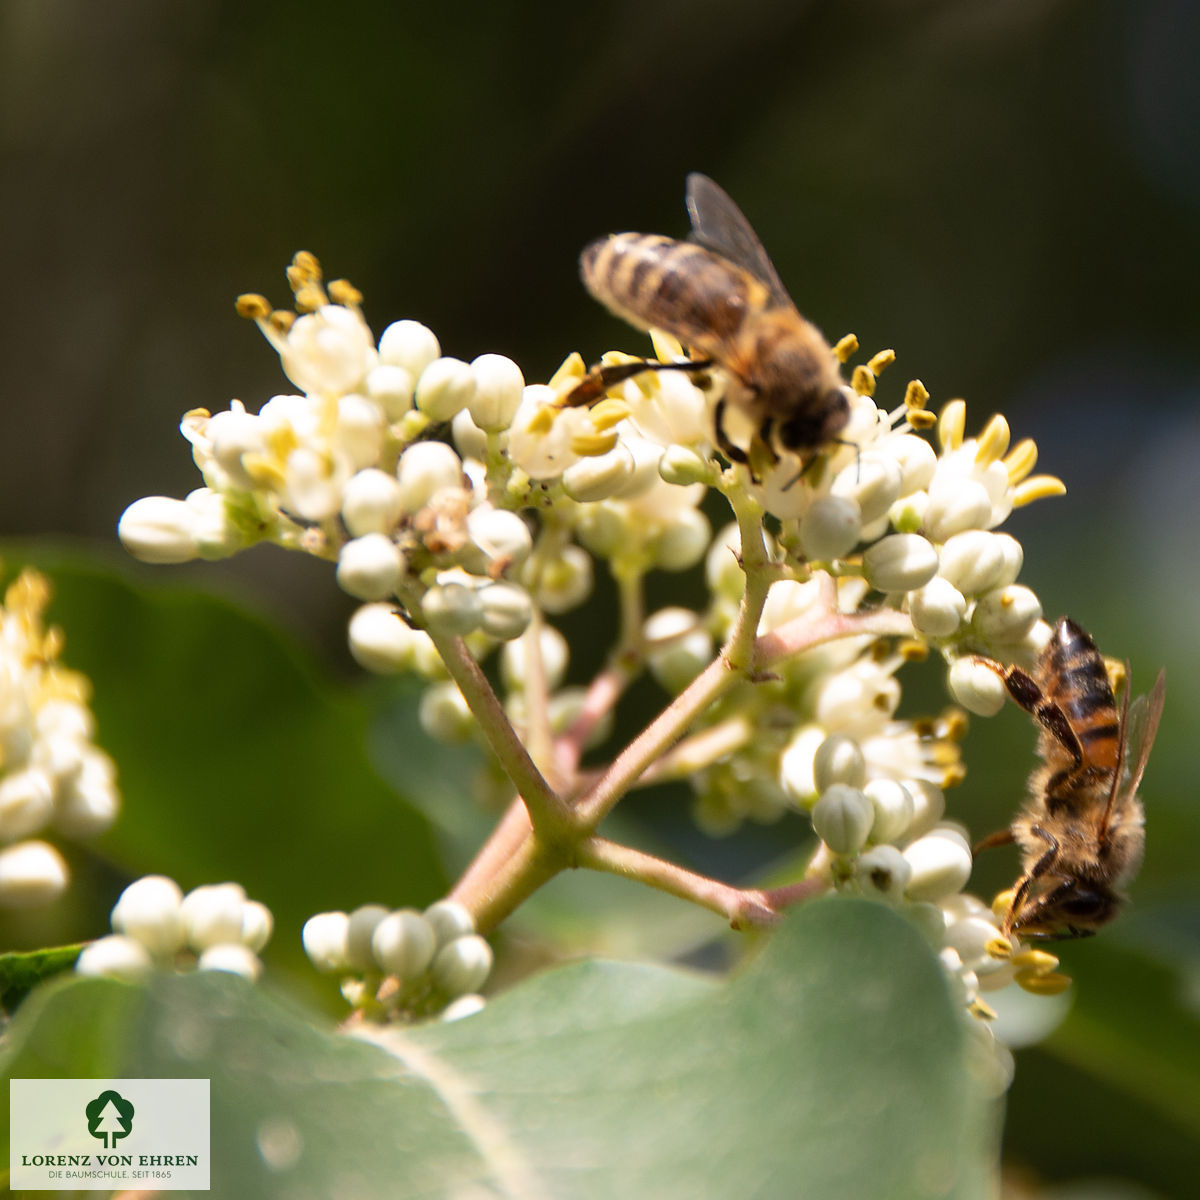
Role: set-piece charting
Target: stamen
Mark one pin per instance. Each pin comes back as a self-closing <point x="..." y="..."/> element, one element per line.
<point x="1021" y="459"/>
<point x="951" y="422"/>
<point x="342" y="291"/>
<point x="573" y="369"/>
<point x="881" y="361"/>
<point x="846" y="348"/>
<point x="999" y="947"/>
<point x="1037" y="487"/>
<point x="252" y="306"/>
<point x="993" y="441"/>
<point x="863" y="380"/>
<point x="607" y="413"/>
<point x="1053" y="984"/>
<point x="592" y="445"/>
<point x="915" y="395"/>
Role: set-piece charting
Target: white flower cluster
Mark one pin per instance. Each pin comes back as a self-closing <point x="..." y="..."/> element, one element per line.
<point x="156" y="925"/>
<point x="433" y="961"/>
<point x="51" y="774"/>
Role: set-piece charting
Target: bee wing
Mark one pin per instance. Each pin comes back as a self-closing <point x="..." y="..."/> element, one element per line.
<point x="1141" y="728"/>
<point x="719" y="225"/>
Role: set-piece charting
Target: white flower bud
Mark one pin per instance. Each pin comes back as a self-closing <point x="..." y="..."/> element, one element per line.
<point x="954" y="506"/>
<point x="929" y="805"/>
<point x="915" y="457"/>
<point x="600" y="476"/>
<point x="445" y="387"/>
<point x="149" y="911"/>
<point x="217" y="535"/>
<point x="603" y="528"/>
<point x="371" y="502"/>
<point x="445" y="715"/>
<point x="907" y="515"/>
<point x="678" y="647"/>
<point x="325" y="938"/>
<point x="646" y="457"/>
<point x="860" y="696"/>
<point x="462" y="965"/>
<point x="382" y="642"/>
<point x="884" y="871"/>
<point x="839" y="759"/>
<point x="115" y="957"/>
<point x="426" y="468"/>
<point x="31" y="874"/>
<point x="941" y="864"/>
<point x="796" y="765"/>
<point x="232" y="957"/>
<point x="232" y="434"/>
<point x="469" y="439"/>
<point x="505" y="611"/>
<point x="554" y="654"/>
<point x="894" y="809"/>
<point x="328" y="351"/>
<point x="842" y="818"/>
<point x="212" y="914"/>
<point x="464" y="1006"/>
<point x="502" y="535"/>
<point x="257" y="925"/>
<point x="681" y="467"/>
<point x="391" y="387"/>
<point x="88" y="804"/>
<point x="830" y="528"/>
<point x="684" y="542"/>
<point x="26" y="802"/>
<point x="499" y="386"/>
<point x="370" y="567"/>
<point x="313" y="481"/>
<point x="564" y="583"/>
<point x="363" y="922"/>
<point x="978" y="561"/>
<point x="451" y="609"/>
<point x="969" y="936"/>
<point x="1006" y="614"/>
<point x="449" y="920"/>
<point x="976" y="687"/>
<point x="360" y="429"/>
<point x="404" y="943"/>
<point x="157" y="529"/>
<point x="873" y="483"/>
<point x="937" y="609"/>
<point x="410" y="345"/>
<point x="901" y="562"/>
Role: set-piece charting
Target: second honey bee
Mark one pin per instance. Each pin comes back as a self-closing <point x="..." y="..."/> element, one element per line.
<point x="1081" y="832"/>
<point x="720" y="295"/>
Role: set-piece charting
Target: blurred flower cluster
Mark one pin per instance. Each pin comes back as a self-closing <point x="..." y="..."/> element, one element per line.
<point x="466" y="508"/>
<point x="214" y="927"/>
<point x="52" y="777"/>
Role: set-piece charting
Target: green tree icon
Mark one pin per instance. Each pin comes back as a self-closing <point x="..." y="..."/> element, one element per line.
<point x="109" y="1117"/>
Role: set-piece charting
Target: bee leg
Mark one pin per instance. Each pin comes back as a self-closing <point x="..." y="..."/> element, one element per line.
<point x="1039" y="868"/>
<point x="1002" y="837"/>
<point x="1026" y="692"/>
<point x="733" y="453"/>
<point x="599" y="379"/>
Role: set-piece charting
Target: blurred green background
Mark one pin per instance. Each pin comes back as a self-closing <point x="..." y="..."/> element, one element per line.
<point x="1007" y="193"/>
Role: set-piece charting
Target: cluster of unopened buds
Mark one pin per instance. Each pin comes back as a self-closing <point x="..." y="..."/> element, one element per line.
<point x="155" y="926"/>
<point x="887" y="537"/>
<point x="403" y="964"/>
<point x="52" y="776"/>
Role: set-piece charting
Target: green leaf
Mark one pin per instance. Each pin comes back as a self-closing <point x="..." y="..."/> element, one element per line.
<point x="20" y="972"/>
<point x="236" y="758"/>
<point x="834" y="1065"/>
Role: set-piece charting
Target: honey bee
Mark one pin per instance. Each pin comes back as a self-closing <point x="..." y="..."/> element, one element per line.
<point x="1081" y="832"/>
<point x="720" y="295"/>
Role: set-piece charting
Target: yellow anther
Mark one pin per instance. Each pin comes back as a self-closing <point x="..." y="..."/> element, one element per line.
<point x="592" y="445"/>
<point x="281" y="320"/>
<point x="925" y="727"/>
<point x="999" y="947"/>
<point x="1003" y="902"/>
<point x="667" y="347"/>
<point x="953" y="724"/>
<point x="309" y="298"/>
<point x="305" y="267"/>
<point x="573" y="369"/>
<point x="862" y="380"/>
<point x="921" y="419"/>
<point x="1021" y="459"/>
<point x="915" y="396"/>
<point x="953" y="776"/>
<point x="985" y="1012"/>
<point x="952" y="420"/>
<point x="264" y="471"/>
<point x="252" y="306"/>
<point x="342" y="291"/>
<point x="913" y="650"/>
<point x="1037" y="487"/>
<point x="992" y="442"/>
<point x="1036" y="962"/>
<point x="607" y="413"/>
<point x="543" y="420"/>
<point x="846" y="348"/>
<point x="881" y="361"/>
<point x="1053" y="984"/>
<point x="1117" y="674"/>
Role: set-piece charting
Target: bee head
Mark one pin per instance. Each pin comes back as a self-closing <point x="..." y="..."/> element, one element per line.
<point x="1071" y="910"/>
<point x="819" y="419"/>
